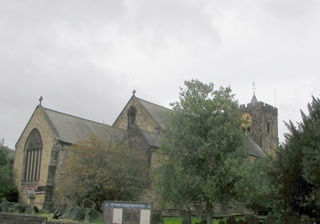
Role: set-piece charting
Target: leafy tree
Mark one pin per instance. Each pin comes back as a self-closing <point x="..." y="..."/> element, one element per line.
<point x="297" y="165"/>
<point x="102" y="168"/>
<point x="203" y="147"/>
<point x="256" y="188"/>
<point x="7" y="187"/>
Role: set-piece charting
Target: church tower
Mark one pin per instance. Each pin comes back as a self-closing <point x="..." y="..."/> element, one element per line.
<point x="261" y="124"/>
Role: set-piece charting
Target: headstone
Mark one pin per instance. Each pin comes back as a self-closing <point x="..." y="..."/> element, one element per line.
<point x="186" y="218"/>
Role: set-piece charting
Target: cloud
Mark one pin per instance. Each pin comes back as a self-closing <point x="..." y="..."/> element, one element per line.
<point x="85" y="58"/>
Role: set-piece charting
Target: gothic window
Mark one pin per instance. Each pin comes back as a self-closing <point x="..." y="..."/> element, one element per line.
<point x="131" y="115"/>
<point x="33" y="152"/>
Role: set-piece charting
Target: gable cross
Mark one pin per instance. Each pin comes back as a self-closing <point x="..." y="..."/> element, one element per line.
<point x="40" y="100"/>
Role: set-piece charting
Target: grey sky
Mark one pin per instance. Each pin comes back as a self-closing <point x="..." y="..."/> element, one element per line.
<point x="86" y="57"/>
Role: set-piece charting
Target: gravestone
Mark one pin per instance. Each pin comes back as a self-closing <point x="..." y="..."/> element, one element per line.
<point x="186" y="218"/>
<point x="127" y="213"/>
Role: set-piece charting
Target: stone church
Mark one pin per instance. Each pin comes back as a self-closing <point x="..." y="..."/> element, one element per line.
<point x="43" y="145"/>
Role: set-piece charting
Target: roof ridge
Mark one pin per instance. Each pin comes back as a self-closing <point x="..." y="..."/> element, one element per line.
<point x="153" y="103"/>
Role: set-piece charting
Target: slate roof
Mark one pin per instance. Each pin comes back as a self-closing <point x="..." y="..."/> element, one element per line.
<point x="253" y="148"/>
<point x="152" y="138"/>
<point x="158" y="113"/>
<point x="71" y="128"/>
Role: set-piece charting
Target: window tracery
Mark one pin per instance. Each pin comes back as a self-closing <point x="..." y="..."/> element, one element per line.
<point x="33" y="153"/>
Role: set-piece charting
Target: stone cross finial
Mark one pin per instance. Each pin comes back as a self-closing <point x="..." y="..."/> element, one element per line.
<point x="40" y="100"/>
<point x="134" y="92"/>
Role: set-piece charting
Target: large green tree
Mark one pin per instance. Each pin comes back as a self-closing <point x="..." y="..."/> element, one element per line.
<point x="297" y="165"/>
<point x="202" y="146"/>
<point x="7" y="187"/>
<point x="256" y="188"/>
<point x="101" y="167"/>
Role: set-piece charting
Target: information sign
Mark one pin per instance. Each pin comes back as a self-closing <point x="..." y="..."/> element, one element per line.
<point x="127" y="212"/>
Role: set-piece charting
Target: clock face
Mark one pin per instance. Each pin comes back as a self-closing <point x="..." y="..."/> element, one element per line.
<point x="246" y="120"/>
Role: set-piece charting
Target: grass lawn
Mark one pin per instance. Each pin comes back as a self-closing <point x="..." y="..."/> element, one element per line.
<point x="178" y="220"/>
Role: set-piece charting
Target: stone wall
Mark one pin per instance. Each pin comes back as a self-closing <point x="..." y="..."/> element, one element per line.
<point x="39" y="121"/>
<point x="13" y="218"/>
<point x="61" y="176"/>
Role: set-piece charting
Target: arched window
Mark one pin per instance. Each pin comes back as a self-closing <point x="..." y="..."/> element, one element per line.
<point x="33" y="152"/>
<point x="131" y="115"/>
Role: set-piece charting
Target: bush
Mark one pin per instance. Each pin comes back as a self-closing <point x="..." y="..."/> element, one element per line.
<point x="7" y="206"/>
<point x="10" y="194"/>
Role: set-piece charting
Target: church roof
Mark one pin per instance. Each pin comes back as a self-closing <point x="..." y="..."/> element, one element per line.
<point x="158" y="113"/>
<point x="253" y="148"/>
<point x="71" y="128"/>
<point x="152" y="138"/>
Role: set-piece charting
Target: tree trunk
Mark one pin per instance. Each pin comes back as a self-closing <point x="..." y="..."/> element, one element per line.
<point x="209" y="209"/>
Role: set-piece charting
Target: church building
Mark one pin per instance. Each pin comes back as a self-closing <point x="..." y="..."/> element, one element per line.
<point x="43" y="145"/>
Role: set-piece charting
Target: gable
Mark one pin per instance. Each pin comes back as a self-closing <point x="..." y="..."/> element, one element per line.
<point x="149" y="117"/>
<point x="38" y="120"/>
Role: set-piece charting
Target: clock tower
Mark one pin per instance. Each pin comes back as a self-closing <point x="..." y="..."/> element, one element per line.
<point x="260" y="122"/>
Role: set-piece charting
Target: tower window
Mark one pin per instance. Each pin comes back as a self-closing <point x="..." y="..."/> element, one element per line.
<point x="131" y="115"/>
<point x="33" y="153"/>
<point x="268" y="126"/>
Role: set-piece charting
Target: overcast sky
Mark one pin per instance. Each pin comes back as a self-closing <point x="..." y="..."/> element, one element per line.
<point x="86" y="57"/>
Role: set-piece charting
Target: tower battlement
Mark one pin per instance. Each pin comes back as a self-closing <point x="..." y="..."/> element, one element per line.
<point x="258" y="106"/>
